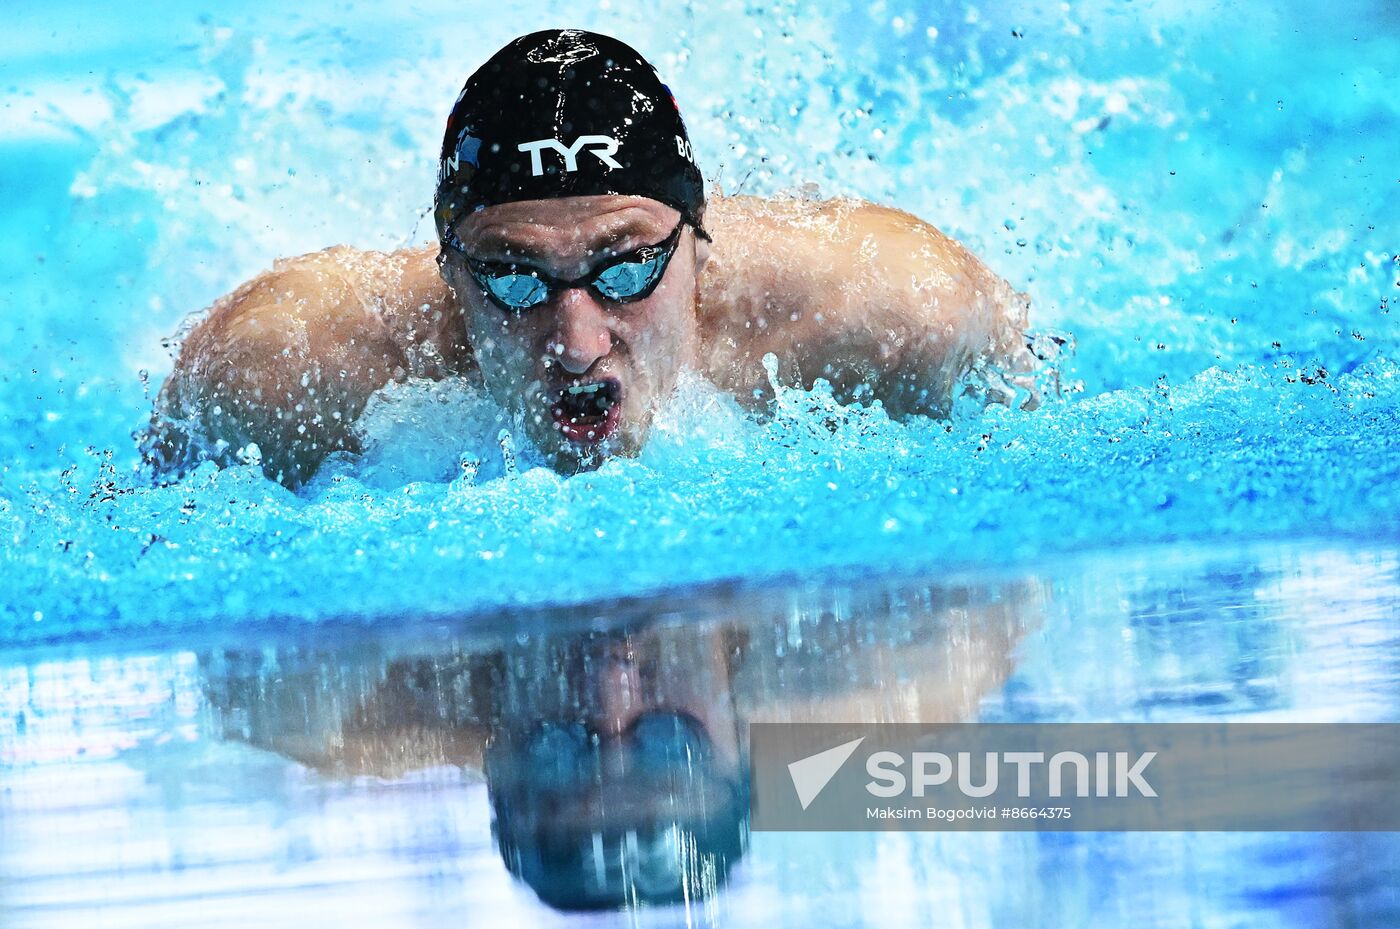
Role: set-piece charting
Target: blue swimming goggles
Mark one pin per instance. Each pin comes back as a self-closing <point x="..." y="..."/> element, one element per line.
<point x="623" y="279"/>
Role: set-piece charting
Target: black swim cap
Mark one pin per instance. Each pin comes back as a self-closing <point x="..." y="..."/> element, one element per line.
<point x="566" y="113"/>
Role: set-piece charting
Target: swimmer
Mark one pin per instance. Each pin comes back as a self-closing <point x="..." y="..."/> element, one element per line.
<point x="579" y="270"/>
<point x="615" y="754"/>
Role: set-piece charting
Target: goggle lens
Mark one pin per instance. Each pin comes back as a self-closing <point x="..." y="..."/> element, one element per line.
<point x="629" y="278"/>
<point x="518" y="291"/>
<point x="625" y="279"/>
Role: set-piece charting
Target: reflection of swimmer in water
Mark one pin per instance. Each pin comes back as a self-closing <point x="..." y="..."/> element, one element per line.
<point x="579" y="270"/>
<point x="616" y="760"/>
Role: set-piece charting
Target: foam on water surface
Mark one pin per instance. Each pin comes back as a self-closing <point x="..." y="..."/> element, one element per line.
<point x="1206" y="199"/>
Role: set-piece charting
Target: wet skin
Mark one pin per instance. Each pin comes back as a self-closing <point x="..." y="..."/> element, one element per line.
<point x="572" y="724"/>
<point x="632" y="351"/>
<point x="722" y="665"/>
<point x="601" y="745"/>
<point x="874" y="300"/>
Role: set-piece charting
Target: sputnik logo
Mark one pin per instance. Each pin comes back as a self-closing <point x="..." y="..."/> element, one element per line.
<point x="810" y="775"/>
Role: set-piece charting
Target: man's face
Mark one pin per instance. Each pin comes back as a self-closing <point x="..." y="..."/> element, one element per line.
<point x="586" y="373"/>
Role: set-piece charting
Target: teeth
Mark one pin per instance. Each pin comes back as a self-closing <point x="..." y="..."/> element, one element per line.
<point x="585" y="389"/>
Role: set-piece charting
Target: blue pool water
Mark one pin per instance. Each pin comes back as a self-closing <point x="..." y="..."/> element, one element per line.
<point x="231" y="778"/>
<point x="1204" y="196"/>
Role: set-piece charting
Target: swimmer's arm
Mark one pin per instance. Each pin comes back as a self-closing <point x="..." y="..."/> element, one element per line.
<point x="947" y="660"/>
<point x="286" y="362"/>
<point x="353" y="719"/>
<point x="937" y="312"/>
<point x="876" y="301"/>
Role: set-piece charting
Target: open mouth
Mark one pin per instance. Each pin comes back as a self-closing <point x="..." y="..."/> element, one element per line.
<point x="588" y="413"/>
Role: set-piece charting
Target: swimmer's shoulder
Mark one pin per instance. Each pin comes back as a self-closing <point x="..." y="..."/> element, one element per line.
<point x="319" y="304"/>
<point x="771" y="253"/>
<point x="384" y="280"/>
<point x="838" y="242"/>
<point x="788" y="222"/>
<point x="401" y="289"/>
<point x="289" y="359"/>
<point x="851" y="291"/>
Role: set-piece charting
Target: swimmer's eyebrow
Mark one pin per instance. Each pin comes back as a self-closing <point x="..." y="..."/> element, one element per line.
<point x="492" y="245"/>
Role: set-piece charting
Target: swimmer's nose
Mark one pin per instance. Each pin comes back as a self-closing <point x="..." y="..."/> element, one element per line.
<point x="619" y="695"/>
<point x="581" y="335"/>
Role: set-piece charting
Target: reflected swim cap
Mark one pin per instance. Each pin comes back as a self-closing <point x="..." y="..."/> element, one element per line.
<point x="566" y="113"/>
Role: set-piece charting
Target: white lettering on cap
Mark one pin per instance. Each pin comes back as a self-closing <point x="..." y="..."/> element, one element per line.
<point x="601" y="145"/>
